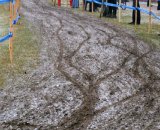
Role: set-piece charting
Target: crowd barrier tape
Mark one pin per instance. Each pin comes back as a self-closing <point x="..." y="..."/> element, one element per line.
<point x="125" y="7"/>
<point x="8" y="36"/>
<point x="6" y="1"/>
<point x="15" y="21"/>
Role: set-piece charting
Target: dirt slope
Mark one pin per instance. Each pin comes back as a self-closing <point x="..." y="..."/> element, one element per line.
<point x="92" y="76"/>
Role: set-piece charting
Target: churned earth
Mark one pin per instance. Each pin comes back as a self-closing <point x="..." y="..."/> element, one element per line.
<point x="92" y="76"/>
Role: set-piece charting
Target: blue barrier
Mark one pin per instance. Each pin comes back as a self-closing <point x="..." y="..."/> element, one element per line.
<point x="9" y="35"/>
<point x="16" y="20"/>
<point x="125" y="7"/>
<point x="6" y="1"/>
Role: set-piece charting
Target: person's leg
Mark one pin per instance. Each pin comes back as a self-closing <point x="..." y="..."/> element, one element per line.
<point x="76" y="3"/>
<point x="105" y="11"/>
<point x="90" y="7"/>
<point x="114" y="9"/>
<point x="109" y="9"/>
<point x="114" y="12"/>
<point x="147" y="3"/>
<point x="158" y="7"/>
<point x="73" y="3"/>
<point x="85" y="5"/>
<point x="138" y="17"/>
<point x="133" y="16"/>
<point x="95" y="7"/>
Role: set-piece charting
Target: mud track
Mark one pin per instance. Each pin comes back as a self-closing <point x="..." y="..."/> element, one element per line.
<point x="92" y="76"/>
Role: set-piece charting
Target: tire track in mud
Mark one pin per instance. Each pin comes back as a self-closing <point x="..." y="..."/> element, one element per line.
<point x="82" y="110"/>
<point x="84" y="114"/>
<point x="78" y="118"/>
<point x="79" y="124"/>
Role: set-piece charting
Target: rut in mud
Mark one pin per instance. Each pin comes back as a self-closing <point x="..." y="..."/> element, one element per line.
<point x="92" y="76"/>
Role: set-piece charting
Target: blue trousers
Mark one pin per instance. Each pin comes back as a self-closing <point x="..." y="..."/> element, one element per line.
<point x="75" y="4"/>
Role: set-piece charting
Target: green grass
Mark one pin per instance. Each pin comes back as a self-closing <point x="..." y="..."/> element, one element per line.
<point x="26" y="52"/>
<point x="141" y="31"/>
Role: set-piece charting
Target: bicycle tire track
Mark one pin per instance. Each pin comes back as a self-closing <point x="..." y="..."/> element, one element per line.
<point x="88" y="69"/>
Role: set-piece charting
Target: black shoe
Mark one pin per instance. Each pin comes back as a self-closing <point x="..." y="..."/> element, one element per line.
<point x="113" y="16"/>
<point x="131" y="23"/>
<point x="158" y="34"/>
<point x="109" y="16"/>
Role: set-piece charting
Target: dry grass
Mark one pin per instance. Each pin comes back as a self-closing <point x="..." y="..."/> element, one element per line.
<point x="25" y="51"/>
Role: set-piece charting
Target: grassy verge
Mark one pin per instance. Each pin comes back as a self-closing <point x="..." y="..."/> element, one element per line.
<point x="25" y="52"/>
<point x="141" y="31"/>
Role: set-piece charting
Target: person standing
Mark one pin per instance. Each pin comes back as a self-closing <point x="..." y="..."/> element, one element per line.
<point x="75" y="3"/>
<point x="110" y="11"/>
<point x="54" y="2"/>
<point x="147" y="3"/>
<point x="113" y="9"/>
<point x="134" y="12"/>
<point x="95" y="6"/>
<point x="158" y="7"/>
<point x="85" y="5"/>
<point x="70" y="3"/>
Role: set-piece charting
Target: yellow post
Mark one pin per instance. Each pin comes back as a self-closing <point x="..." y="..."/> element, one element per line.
<point x="150" y="18"/>
<point x="92" y="6"/>
<point x="3" y="33"/>
<point x="136" y="13"/>
<point x="11" y="30"/>
<point x="66" y="4"/>
<point x="83" y="4"/>
<point x="54" y="2"/>
<point x="15" y="10"/>
<point x="120" y="12"/>
<point x="102" y="6"/>
<point x="18" y="4"/>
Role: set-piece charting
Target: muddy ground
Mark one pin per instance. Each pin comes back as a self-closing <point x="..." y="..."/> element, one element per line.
<point x="92" y="76"/>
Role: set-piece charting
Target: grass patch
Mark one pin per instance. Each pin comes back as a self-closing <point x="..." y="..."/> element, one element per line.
<point x="141" y="31"/>
<point x="26" y="52"/>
